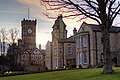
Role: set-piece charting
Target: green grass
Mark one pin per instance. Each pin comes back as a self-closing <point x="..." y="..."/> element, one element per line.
<point x="80" y="74"/>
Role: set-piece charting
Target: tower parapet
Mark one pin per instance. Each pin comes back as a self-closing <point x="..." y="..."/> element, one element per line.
<point x="28" y="22"/>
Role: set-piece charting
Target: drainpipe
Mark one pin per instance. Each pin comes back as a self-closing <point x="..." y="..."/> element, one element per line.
<point x="51" y="55"/>
<point x="96" y="50"/>
<point x="89" y="48"/>
<point x="63" y="56"/>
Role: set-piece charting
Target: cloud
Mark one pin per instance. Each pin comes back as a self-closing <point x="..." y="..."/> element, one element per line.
<point x="47" y="32"/>
<point x="16" y="12"/>
<point x="36" y="9"/>
<point x="30" y="2"/>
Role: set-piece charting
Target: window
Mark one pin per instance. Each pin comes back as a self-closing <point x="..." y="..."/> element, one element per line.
<point x="55" y="49"/>
<point x="80" y="42"/>
<point x="84" y="58"/>
<point x="69" y="50"/>
<point x="24" y="56"/>
<point x="61" y="62"/>
<point x="84" y="41"/>
<point x="36" y="57"/>
<point x="77" y="42"/>
<point x="39" y="57"/>
<point x="69" y="44"/>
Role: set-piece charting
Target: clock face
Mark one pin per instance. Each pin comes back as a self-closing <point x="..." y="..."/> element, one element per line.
<point x="29" y="30"/>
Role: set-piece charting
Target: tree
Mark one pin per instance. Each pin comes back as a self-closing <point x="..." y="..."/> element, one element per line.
<point x="103" y="12"/>
<point x="2" y="58"/>
<point x="7" y="36"/>
<point x="3" y="61"/>
<point x="11" y="53"/>
<point x="2" y="40"/>
<point x="12" y="35"/>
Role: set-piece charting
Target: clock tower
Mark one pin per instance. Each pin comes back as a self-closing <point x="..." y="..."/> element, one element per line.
<point x="29" y="33"/>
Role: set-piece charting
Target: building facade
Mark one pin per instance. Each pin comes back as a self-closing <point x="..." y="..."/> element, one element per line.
<point x="48" y="55"/>
<point x="30" y="57"/>
<point x="61" y="51"/>
<point x="89" y="51"/>
<point x="32" y="60"/>
<point x="59" y="33"/>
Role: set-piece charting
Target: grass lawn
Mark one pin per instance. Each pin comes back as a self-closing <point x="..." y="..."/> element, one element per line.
<point x="80" y="74"/>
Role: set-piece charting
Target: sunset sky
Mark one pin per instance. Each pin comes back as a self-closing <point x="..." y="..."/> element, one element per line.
<point x="12" y="13"/>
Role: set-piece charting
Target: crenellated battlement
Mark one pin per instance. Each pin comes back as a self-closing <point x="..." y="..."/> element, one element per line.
<point x="28" y="22"/>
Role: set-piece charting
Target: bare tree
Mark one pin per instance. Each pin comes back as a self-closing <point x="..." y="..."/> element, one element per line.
<point x="3" y="38"/>
<point x="12" y="35"/>
<point x="103" y="12"/>
<point x="9" y="36"/>
<point x="2" y="46"/>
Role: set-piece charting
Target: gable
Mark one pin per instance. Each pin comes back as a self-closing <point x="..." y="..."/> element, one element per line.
<point x="95" y="27"/>
<point x="36" y="51"/>
<point x="84" y="28"/>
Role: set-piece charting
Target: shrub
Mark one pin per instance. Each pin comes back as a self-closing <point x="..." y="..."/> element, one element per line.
<point x="100" y="66"/>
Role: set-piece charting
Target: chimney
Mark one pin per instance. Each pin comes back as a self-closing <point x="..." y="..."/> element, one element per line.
<point x="39" y="46"/>
<point x="74" y="31"/>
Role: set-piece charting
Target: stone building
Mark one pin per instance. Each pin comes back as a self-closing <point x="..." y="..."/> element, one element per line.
<point x="29" y="33"/>
<point x="30" y="57"/>
<point x="48" y="55"/>
<point x="89" y="47"/>
<point x="62" y="48"/>
<point x="59" y="33"/>
<point x="70" y="50"/>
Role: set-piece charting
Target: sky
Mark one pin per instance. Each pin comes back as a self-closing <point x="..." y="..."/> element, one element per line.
<point x="12" y="13"/>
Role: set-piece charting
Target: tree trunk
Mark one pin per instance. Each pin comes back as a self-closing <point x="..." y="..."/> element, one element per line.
<point x="107" y="68"/>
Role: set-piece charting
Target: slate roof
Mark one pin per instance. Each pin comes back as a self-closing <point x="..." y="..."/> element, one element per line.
<point x="32" y="50"/>
<point x="68" y="40"/>
<point x="57" y="22"/>
<point x="95" y="27"/>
